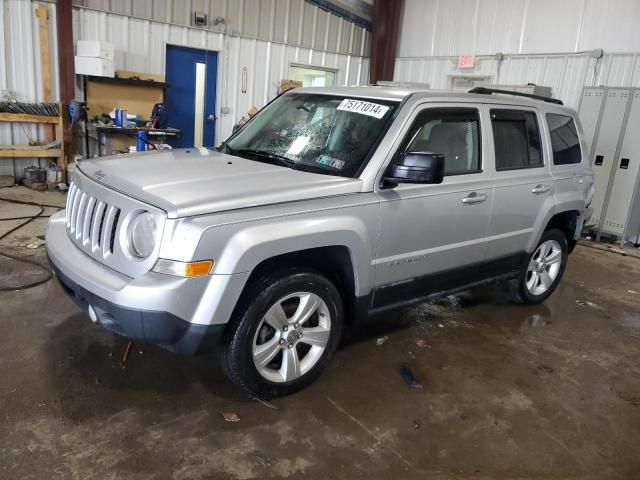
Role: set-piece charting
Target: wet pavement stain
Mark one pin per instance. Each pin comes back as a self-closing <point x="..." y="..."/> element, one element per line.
<point x="539" y="392"/>
<point x="631" y="323"/>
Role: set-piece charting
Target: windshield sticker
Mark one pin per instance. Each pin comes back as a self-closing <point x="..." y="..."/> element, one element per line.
<point x="330" y="162"/>
<point x="363" y="108"/>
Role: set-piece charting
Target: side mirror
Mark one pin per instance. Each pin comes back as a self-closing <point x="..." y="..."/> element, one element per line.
<point x="417" y="167"/>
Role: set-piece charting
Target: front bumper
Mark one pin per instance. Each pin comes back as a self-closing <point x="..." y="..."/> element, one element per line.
<point x="159" y="328"/>
<point x="184" y="315"/>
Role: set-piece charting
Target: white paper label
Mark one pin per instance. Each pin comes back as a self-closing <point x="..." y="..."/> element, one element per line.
<point x="298" y="145"/>
<point x="363" y="108"/>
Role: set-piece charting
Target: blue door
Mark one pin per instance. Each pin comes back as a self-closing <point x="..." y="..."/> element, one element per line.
<point x="191" y="97"/>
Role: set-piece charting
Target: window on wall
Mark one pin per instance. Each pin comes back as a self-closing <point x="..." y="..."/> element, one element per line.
<point x="564" y="139"/>
<point x="452" y="132"/>
<point x="516" y="138"/>
<point x="312" y="77"/>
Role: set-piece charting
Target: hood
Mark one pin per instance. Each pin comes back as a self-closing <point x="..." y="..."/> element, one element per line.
<point x="194" y="181"/>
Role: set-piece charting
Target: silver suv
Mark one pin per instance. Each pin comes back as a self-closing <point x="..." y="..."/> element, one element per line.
<point x="329" y="206"/>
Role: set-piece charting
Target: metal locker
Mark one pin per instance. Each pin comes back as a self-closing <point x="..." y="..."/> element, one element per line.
<point x="623" y="208"/>
<point x="589" y="111"/>
<point x="605" y="146"/>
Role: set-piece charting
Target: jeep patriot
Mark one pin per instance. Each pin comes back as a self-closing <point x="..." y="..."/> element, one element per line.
<point x="328" y="206"/>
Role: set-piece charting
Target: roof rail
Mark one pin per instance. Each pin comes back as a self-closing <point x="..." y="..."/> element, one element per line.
<point x="490" y="91"/>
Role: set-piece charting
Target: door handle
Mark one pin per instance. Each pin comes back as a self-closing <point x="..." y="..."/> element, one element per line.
<point x="540" y="189"/>
<point x="211" y="117"/>
<point x="474" y="198"/>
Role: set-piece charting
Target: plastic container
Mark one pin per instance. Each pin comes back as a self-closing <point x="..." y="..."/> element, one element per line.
<point x="141" y="142"/>
<point x="121" y="118"/>
<point x="54" y="175"/>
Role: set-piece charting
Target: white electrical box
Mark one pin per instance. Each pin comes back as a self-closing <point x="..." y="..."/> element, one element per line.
<point x="611" y="122"/>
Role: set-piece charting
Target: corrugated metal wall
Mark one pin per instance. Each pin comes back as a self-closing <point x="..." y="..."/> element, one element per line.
<point x="566" y="74"/>
<point x="484" y="27"/>
<point x="292" y="22"/>
<point x="534" y="36"/>
<point x="265" y="36"/>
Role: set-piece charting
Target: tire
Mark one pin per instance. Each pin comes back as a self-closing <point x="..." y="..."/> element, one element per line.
<point x="265" y="361"/>
<point x="537" y="280"/>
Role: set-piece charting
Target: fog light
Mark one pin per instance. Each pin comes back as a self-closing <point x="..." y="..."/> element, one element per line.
<point x="92" y="314"/>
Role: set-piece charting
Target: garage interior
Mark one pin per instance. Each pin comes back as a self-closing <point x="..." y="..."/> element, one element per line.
<point x="549" y="391"/>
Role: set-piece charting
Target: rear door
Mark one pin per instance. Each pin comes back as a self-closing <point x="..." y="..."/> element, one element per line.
<point x="522" y="182"/>
<point x="433" y="236"/>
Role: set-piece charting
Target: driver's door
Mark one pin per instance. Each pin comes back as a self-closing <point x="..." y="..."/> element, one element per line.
<point x="433" y="237"/>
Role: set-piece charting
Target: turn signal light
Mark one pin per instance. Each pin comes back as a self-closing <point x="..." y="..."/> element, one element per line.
<point x="183" y="269"/>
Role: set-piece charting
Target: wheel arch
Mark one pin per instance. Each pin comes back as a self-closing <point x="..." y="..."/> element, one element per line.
<point x="335" y="262"/>
<point x="565" y="221"/>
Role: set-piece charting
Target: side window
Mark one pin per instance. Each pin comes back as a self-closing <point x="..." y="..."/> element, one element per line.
<point x="516" y="137"/>
<point x="453" y="132"/>
<point x="564" y="139"/>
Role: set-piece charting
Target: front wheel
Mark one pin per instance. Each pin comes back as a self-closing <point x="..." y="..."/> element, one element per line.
<point x="283" y="334"/>
<point x="542" y="269"/>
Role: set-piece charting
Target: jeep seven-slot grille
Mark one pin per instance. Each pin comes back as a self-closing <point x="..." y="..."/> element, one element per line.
<point x="91" y="223"/>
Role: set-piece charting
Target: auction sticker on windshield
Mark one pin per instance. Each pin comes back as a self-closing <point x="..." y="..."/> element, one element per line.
<point x="363" y="108"/>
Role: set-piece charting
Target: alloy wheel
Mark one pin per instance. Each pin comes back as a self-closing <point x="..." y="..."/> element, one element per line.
<point x="291" y="337"/>
<point x="544" y="267"/>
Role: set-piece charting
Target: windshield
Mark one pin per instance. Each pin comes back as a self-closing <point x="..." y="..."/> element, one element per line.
<point x="319" y="133"/>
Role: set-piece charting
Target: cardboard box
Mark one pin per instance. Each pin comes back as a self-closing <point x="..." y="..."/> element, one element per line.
<point x="289" y="85"/>
<point x="98" y="67"/>
<point x="94" y="48"/>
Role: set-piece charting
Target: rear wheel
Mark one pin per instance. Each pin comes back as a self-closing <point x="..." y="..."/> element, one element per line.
<point x="283" y="334"/>
<point x="542" y="270"/>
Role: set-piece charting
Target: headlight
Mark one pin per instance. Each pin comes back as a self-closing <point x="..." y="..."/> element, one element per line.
<point x="142" y="235"/>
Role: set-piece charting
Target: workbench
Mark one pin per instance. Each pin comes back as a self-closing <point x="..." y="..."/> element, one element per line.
<point x="172" y="136"/>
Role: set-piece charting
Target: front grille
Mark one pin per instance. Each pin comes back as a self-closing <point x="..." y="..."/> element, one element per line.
<point x="95" y="218"/>
<point x="91" y="222"/>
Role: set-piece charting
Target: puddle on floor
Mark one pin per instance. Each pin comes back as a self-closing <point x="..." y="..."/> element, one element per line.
<point x="439" y="308"/>
<point x="536" y="321"/>
<point x="631" y="323"/>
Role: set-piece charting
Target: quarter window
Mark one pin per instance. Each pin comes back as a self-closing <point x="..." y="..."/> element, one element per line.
<point x="564" y="139"/>
<point x="516" y="137"/>
<point x="452" y="132"/>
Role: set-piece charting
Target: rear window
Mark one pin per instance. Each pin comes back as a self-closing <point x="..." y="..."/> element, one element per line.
<point x="564" y="139"/>
<point x="516" y="137"/>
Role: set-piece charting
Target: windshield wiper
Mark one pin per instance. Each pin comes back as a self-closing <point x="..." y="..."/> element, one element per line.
<point x="263" y="154"/>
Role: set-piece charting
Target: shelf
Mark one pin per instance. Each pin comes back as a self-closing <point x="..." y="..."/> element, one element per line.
<point x="152" y="132"/>
<point x="26" y="118"/>
<point x="29" y="152"/>
<point x="127" y="81"/>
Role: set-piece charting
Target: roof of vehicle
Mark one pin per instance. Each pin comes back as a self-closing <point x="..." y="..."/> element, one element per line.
<point x="399" y="93"/>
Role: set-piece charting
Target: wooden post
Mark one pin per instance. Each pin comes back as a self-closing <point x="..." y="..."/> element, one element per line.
<point x="58" y="130"/>
<point x="42" y="12"/>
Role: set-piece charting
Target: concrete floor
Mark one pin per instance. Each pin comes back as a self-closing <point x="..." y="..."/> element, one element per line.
<point x="544" y="392"/>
